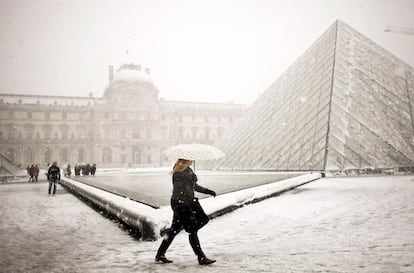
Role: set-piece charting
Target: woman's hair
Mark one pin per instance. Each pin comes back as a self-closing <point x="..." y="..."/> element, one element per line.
<point x="181" y="165"/>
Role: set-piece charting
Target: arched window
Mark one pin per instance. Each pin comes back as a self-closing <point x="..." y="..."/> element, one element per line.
<point x="107" y="155"/>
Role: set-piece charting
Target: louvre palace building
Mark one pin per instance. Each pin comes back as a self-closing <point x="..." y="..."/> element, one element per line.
<point x="129" y="126"/>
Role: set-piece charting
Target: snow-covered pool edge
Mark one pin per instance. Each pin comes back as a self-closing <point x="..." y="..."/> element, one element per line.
<point x="150" y="221"/>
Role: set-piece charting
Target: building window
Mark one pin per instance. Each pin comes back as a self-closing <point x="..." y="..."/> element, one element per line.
<point x="136" y="155"/>
<point x="148" y="133"/>
<point x="207" y="133"/>
<point x="11" y="155"/>
<point x="164" y="132"/>
<point x="29" y="156"/>
<point x="122" y="133"/>
<point x="64" y="128"/>
<point x="29" y="128"/>
<point x="181" y="133"/>
<point x="46" y="155"/>
<point x="136" y="135"/>
<point x="64" y="155"/>
<point x="47" y="131"/>
<point x="220" y="131"/>
<point x="107" y="155"/>
<point x="194" y="133"/>
<point x="29" y="134"/>
<point x="81" y="155"/>
<point x="11" y="133"/>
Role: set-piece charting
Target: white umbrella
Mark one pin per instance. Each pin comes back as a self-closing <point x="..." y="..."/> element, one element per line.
<point x="194" y="152"/>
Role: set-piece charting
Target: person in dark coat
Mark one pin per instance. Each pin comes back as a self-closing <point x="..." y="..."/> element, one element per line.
<point x="54" y="175"/>
<point x="31" y="173"/>
<point x="36" y="172"/>
<point x="77" y="169"/>
<point x="184" y="184"/>
<point x="93" y="169"/>
<point x="68" y="170"/>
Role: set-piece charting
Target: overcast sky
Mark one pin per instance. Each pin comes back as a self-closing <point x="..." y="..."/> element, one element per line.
<point x="210" y="50"/>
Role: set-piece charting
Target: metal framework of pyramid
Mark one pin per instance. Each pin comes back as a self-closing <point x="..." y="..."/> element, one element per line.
<point x="346" y="103"/>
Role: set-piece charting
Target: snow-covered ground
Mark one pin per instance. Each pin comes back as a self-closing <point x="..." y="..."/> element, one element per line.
<point x="363" y="224"/>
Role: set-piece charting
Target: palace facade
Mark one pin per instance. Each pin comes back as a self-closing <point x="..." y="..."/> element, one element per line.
<point x="129" y="126"/>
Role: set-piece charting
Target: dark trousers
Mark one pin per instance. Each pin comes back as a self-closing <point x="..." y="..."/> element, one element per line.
<point x="52" y="184"/>
<point x="176" y="227"/>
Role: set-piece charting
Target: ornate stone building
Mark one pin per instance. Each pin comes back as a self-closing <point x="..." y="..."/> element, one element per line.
<point x="129" y="126"/>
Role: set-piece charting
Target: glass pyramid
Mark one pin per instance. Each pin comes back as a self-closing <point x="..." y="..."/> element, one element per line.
<point x="345" y="104"/>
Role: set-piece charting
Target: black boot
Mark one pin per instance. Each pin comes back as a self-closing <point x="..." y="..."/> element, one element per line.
<point x="205" y="261"/>
<point x="162" y="259"/>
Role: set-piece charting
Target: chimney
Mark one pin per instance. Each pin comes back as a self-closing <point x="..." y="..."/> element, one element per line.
<point x="111" y="73"/>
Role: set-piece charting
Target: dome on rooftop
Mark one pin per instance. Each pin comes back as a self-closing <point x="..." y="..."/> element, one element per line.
<point x="132" y="72"/>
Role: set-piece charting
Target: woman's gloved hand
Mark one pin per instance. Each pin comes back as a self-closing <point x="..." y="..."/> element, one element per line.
<point x="213" y="193"/>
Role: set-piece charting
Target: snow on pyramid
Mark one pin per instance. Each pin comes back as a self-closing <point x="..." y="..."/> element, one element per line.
<point x="346" y="103"/>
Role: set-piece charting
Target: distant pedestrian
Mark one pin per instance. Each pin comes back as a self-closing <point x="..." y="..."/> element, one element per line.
<point x="93" y="169"/>
<point x="36" y="172"/>
<point x="68" y="170"/>
<point x="31" y="173"/>
<point x="188" y="213"/>
<point x="54" y="176"/>
<point x="77" y="169"/>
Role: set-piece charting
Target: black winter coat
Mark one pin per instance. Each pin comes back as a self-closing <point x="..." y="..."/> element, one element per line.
<point x="187" y="208"/>
<point x="184" y="185"/>
<point x="53" y="173"/>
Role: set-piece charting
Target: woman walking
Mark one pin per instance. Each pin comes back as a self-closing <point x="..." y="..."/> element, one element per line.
<point x="188" y="214"/>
